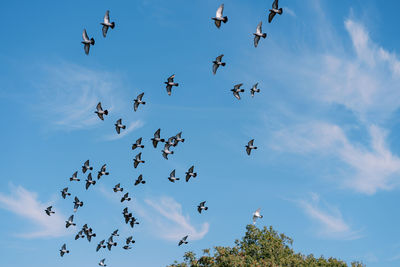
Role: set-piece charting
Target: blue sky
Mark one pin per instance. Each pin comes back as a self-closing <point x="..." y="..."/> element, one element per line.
<point x="327" y="169"/>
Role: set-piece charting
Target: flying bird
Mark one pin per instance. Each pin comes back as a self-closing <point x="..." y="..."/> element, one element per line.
<point x="170" y="82"/>
<point x="256" y="215"/>
<point x="100" y="112"/>
<point x="220" y="17"/>
<point x="106" y="23"/>
<point x="102" y="171"/>
<point x="166" y="151"/>
<point x="111" y="243"/>
<point x="127" y="215"/>
<point x="183" y="241"/>
<point x="79" y="235"/>
<point x="178" y="138"/>
<point x="138" y="101"/>
<point x="250" y="146"/>
<point x="87" y="42"/>
<point x="74" y="177"/>
<point x="77" y="204"/>
<point x="65" y="193"/>
<point x="138" y="160"/>
<point x="202" y="207"/>
<point x="216" y="63"/>
<point x="89" y="181"/>
<point x="254" y="90"/>
<point x="137" y="144"/>
<point x="126" y="197"/>
<point x="157" y="138"/>
<point x="90" y="234"/>
<point x="49" y="211"/>
<point x="63" y="250"/>
<point x="126" y="247"/>
<point x="70" y="222"/>
<point x="258" y="34"/>
<point x="140" y="180"/>
<point x="100" y="245"/>
<point x="119" y="125"/>
<point x="86" y="167"/>
<point x="129" y="240"/>
<point x="118" y="188"/>
<point x="101" y="263"/>
<point x="275" y="10"/>
<point x="171" y="141"/>
<point x="133" y="221"/>
<point x="190" y="174"/>
<point x="172" y="177"/>
<point x="236" y="90"/>
<point x="115" y="233"/>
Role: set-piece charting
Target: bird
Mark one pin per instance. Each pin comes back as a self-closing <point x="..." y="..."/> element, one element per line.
<point x="63" y="250"/>
<point x="202" y="207"/>
<point x="254" y="89"/>
<point x="85" y="228"/>
<point x="101" y="263"/>
<point x="258" y="34"/>
<point x="102" y="171"/>
<point x="100" y="112"/>
<point x="100" y="245"/>
<point x="49" y="211"/>
<point x="166" y="151"/>
<point x="183" y="240"/>
<point x="79" y="235"/>
<point x="250" y="146"/>
<point x="140" y="180"/>
<point x="70" y="222"/>
<point x="90" y="234"/>
<point x="157" y="138"/>
<point x="178" y="138"/>
<point x="138" y="101"/>
<point x="236" y="90"/>
<point x="137" y="144"/>
<point x="127" y="215"/>
<point x="74" y="177"/>
<point x="126" y="247"/>
<point x="171" y="141"/>
<point x="126" y="197"/>
<point x="111" y="243"/>
<point x="256" y="215"/>
<point x="133" y="221"/>
<point x="170" y="82"/>
<point x="89" y="181"/>
<point x="115" y="233"/>
<point x="217" y="62"/>
<point x="138" y="160"/>
<point x="106" y="23"/>
<point x="275" y="10"/>
<point x="65" y="193"/>
<point x="129" y="240"/>
<point x="190" y="173"/>
<point x="220" y="17"/>
<point x="119" y="125"/>
<point x="86" y="167"/>
<point x="118" y="188"/>
<point x="172" y="177"/>
<point x="77" y="204"/>
<point x="87" y="42"/>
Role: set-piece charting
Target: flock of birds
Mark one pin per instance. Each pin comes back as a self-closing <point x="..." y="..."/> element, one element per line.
<point x="169" y="143"/>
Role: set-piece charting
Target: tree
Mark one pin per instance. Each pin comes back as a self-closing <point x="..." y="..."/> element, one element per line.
<point x="259" y="248"/>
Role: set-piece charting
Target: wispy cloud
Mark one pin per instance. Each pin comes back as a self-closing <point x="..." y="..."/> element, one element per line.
<point x="26" y="205"/>
<point x="130" y="128"/>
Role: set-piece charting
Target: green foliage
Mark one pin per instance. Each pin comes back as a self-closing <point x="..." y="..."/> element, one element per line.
<point x="259" y="248"/>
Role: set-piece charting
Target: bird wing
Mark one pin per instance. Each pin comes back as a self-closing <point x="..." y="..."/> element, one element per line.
<point x="275" y="4"/>
<point x="184" y="238"/>
<point x="104" y="30"/>
<point x="155" y="142"/>
<point x="139" y="141"/>
<point x="87" y="185"/>
<point x="256" y="40"/>
<point x="220" y="11"/>
<point x="71" y="218"/>
<point x="87" y="48"/>
<point x="103" y="168"/>
<point x="215" y="67"/>
<point x="100" y="116"/>
<point x="191" y="169"/>
<point x="259" y="28"/>
<point x="219" y="58"/>
<point x="271" y="16"/>
<point x="107" y="17"/>
<point x="217" y="23"/>
<point x="85" y="36"/>
<point x="165" y="155"/>
<point x="237" y="86"/>
<point x="251" y="142"/>
<point x="169" y="87"/>
<point x="135" y="105"/>
<point x="187" y="177"/>
<point x="117" y="128"/>
<point x="254" y="219"/>
<point x="236" y="94"/>
<point x="248" y="150"/>
<point x="171" y="78"/>
<point x="139" y="97"/>
<point x="157" y="133"/>
<point x="258" y="211"/>
<point x="172" y="174"/>
<point x="98" y="107"/>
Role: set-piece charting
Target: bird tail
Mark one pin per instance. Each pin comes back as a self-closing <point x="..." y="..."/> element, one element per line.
<point x="206" y="208"/>
<point x="255" y="147"/>
<point x="280" y="11"/>
<point x="106" y="112"/>
<point x="264" y="35"/>
<point x="172" y="152"/>
<point x="123" y="127"/>
<point x="261" y="216"/>
<point x="225" y="19"/>
<point x="107" y="173"/>
<point x="177" y="84"/>
<point x="177" y="179"/>
<point x="94" y="182"/>
<point x="194" y="174"/>
<point x="143" y="182"/>
<point x="67" y="251"/>
<point x="92" y="41"/>
<point x="183" y="140"/>
<point x="144" y="103"/>
<point x="112" y="25"/>
<point x="223" y="64"/>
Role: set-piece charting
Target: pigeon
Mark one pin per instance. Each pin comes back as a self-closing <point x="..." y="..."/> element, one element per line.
<point x="126" y="197"/>
<point x="101" y="263"/>
<point x="250" y="146"/>
<point x="216" y="63"/>
<point x="65" y="193"/>
<point x="90" y="234"/>
<point x="87" y="42"/>
<point x="111" y="243"/>
<point x="77" y="204"/>
<point x="118" y="188"/>
<point x="126" y="247"/>
<point x="258" y="34"/>
<point x="130" y="240"/>
<point x="49" y="211"/>
<point x="86" y="167"/>
<point x="79" y="235"/>
<point x="119" y="125"/>
<point x="201" y="207"/>
<point x="256" y="215"/>
<point x="138" y="101"/>
<point x="100" y="245"/>
<point x="171" y="141"/>
<point x="127" y="215"/>
<point x="219" y="16"/>
<point x="254" y="90"/>
<point x="140" y="180"/>
<point x="172" y="177"/>
<point x="274" y="11"/>
<point x="100" y="112"/>
<point x="85" y="228"/>
<point x="183" y="241"/>
<point x="115" y="233"/>
<point x="74" y="177"/>
<point x="133" y="221"/>
<point x="166" y="151"/>
<point x="102" y="171"/>
<point x="157" y="138"/>
<point x="236" y="90"/>
<point x="178" y="138"/>
<point x="89" y="181"/>
<point x="106" y="23"/>
<point x="63" y="250"/>
<point x="138" y="160"/>
<point x="137" y="144"/>
<point x="70" y="222"/>
<point x="170" y="83"/>
<point x="190" y="173"/>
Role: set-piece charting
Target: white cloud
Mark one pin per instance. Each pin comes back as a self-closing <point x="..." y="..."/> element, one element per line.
<point x="26" y="205"/>
<point x="130" y="128"/>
